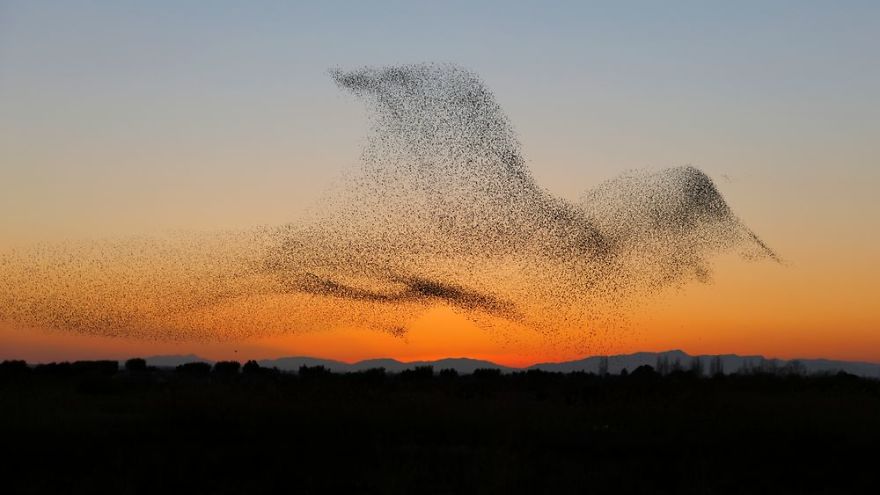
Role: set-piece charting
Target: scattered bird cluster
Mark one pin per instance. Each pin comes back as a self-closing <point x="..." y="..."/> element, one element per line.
<point x="442" y="210"/>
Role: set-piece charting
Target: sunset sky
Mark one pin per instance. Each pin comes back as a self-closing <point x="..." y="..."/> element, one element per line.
<point x="136" y="118"/>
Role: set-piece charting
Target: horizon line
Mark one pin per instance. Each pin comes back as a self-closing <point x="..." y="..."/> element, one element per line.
<point x="415" y="361"/>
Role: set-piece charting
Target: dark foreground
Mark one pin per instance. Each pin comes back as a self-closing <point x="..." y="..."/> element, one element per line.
<point x="89" y="429"/>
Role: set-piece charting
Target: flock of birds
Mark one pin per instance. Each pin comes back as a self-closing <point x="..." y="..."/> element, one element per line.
<point x="442" y="210"/>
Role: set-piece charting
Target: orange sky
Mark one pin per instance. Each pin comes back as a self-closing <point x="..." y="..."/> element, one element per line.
<point x="118" y="122"/>
<point x="749" y="308"/>
<point x="819" y="302"/>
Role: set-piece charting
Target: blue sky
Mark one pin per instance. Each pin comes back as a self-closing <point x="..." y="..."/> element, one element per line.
<point x="214" y="114"/>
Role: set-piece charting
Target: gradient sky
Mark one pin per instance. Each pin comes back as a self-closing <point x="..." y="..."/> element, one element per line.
<point x="122" y="118"/>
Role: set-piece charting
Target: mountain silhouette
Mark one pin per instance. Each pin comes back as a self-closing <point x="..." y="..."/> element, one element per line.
<point x="730" y="363"/>
<point x="294" y="363"/>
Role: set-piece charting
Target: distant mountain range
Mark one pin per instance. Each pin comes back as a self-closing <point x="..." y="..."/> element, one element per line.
<point x="615" y="364"/>
<point x="172" y="360"/>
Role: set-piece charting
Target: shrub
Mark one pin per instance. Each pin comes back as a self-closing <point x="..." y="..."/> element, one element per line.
<point x="448" y="374"/>
<point x="227" y="367"/>
<point x="14" y="369"/>
<point x="251" y="367"/>
<point x="195" y="368"/>
<point x="136" y="365"/>
<point x="418" y="373"/>
<point x="372" y="375"/>
<point x="104" y="367"/>
<point x="487" y="373"/>
<point x="312" y="372"/>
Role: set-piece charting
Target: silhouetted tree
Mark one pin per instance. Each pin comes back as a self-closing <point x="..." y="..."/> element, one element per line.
<point x="102" y="367"/>
<point x="135" y="365"/>
<point x="418" y="373"/>
<point x="448" y="374"/>
<point x="55" y="369"/>
<point x="313" y="372"/>
<point x="226" y="368"/>
<point x="251" y="368"/>
<point x="14" y="369"/>
<point x="373" y="376"/>
<point x="194" y="369"/>
<point x="487" y="373"/>
<point x="644" y="372"/>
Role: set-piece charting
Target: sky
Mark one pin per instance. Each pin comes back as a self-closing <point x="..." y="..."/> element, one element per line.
<point x="133" y="118"/>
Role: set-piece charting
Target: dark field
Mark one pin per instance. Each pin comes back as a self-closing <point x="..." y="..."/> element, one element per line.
<point x="88" y="428"/>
